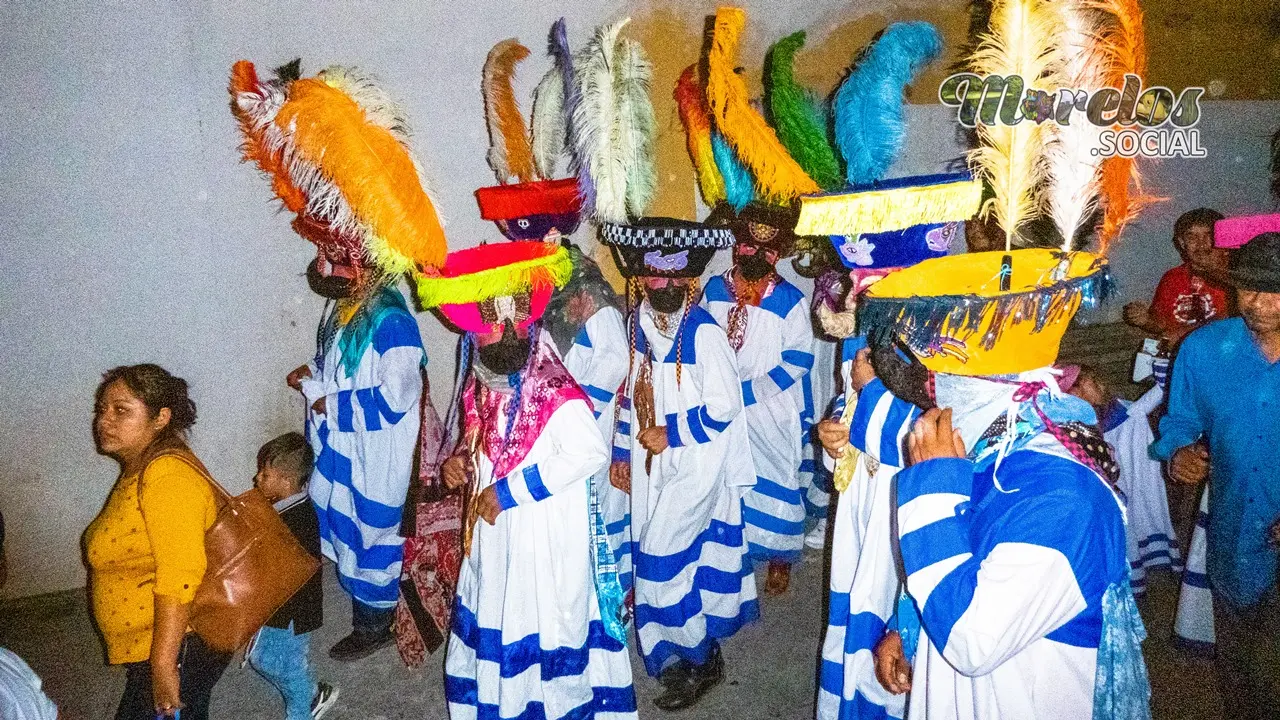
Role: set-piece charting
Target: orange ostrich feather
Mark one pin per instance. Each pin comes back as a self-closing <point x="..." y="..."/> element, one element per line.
<point x="1120" y="184"/>
<point x="255" y="148"/>
<point x="371" y="168"/>
<point x="779" y="178"/>
<point x="510" y="151"/>
<point x="691" y="100"/>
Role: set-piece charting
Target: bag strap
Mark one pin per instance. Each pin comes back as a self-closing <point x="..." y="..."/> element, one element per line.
<point x="183" y="453"/>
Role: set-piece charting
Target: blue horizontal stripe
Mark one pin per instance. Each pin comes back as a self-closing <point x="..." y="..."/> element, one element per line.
<point x="465" y="691"/>
<point x="952" y="476"/>
<point x="502" y="489"/>
<point x="710" y="422"/>
<point x="341" y="529"/>
<point x="837" y="607"/>
<point x="622" y="455"/>
<point x="336" y="468"/>
<point x="862" y="632"/>
<point x="618" y="526"/>
<point x="856" y="708"/>
<point x="662" y="568"/>
<point x="673" y="431"/>
<point x="625" y="402"/>
<point x="781" y="378"/>
<point x="397" y="329"/>
<point x="717" y="628"/>
<point x="533" y="481"/>
<point x="761" y="553"/>
<point x="934" y="542"/>
<point x="517" y="657"/>
<point x="1084" y="630"/>
<point x="769" y="523"/>
<point x="624" y="428"/>
<point x="604" y="396"/>
<point x="769" y="488"/>
<point x="380" y="596"/>
<point x="582" y="338"/>
<point x="1195" y="579"/>
<point x="695" y="427"/>
<point x="1158" y="537"/>
<point x="748" y="394"/>
<point x="799" y="358"/>
<point x="705" y="579"/>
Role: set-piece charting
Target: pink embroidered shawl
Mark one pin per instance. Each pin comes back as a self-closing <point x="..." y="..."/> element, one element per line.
<point x="546" y="386"/>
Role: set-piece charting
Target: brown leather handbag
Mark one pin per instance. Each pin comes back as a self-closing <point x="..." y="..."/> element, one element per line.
<point x="253" y="564"/>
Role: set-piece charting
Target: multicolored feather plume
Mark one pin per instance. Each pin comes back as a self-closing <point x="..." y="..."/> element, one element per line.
<point x="1020" y="42"/>
<point x="510" y="154"/>
<point x="1121" y="188"/>
<point x="779" y="178"/>
<point x="869" y="120"/>
<point x="1072" y="165"/>
<point x="799" y="116"/>
<point x="738" y="186"/>
<point x="336" y="148"/>
<point x="691" y="101"/>
<point x="613" y="126"/>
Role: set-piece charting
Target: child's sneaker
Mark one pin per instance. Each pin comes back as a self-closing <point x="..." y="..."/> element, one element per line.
<point x="326" y="697"/>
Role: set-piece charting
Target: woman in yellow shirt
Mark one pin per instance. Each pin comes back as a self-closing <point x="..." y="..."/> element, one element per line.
<point x="145" y="549"/>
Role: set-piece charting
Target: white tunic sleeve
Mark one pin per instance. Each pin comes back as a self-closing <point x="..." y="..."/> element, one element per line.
<point x="606" y="337"/>
<point x="796" y="360"/>
<point x="396" y="389"/>
<point x="987" y="592"/>
<point x="716" y="372"/>
<point x="577" y="452"/>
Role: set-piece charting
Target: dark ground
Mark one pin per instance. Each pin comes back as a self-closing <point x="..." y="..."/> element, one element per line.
<point x="771" y="666"/>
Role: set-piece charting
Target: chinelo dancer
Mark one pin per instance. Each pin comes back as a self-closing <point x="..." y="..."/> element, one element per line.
<point x="336" y="150"/>
<point x="536" y="630"/>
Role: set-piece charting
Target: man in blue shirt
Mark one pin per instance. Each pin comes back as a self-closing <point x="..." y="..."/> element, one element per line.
<point x="1223" y="423"/>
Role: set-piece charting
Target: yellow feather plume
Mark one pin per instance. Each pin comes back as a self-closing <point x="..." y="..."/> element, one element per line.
<point x="369" y="167"/>
<point x="510" y="152"/>
<point x="1020" y="42"/>
<point x="779" y="178"/>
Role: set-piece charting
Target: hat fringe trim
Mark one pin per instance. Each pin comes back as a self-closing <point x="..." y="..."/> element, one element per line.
<point x="925" y="322"/>
<point x="886" y="210"/>
<point x="517" y="277"/>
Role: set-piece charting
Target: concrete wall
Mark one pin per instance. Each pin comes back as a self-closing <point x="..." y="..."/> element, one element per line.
<point x="133" y="234"/>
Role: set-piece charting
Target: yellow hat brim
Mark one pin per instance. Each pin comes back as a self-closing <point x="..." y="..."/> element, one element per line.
<point x="953" y="314"/>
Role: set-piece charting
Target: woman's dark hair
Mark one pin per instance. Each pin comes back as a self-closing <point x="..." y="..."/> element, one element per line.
<point x="1200" y="216"/>
<point x="157" y="389"/>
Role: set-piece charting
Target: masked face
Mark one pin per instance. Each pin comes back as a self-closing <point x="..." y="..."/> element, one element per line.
<point x="334" y="287"/>
<point x="508" y="354"/>
<point x="754" y="262"/>
<point x="668" y="298"/>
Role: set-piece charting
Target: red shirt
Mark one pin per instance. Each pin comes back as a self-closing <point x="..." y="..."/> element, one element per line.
<point x="1184" y="300"/>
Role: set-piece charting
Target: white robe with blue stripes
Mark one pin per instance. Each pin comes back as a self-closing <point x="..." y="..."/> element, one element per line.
<point x="774" y="363"/>
<point x="1152" y="540"/>
<point x="527" y="640"/>
<point x="1009" y="575"/>
<point x="1193" y="625"/>
<point x="864" y="580"/>
<point x="693" y="579"/>
<point x="364" y="446"/>
<point x="598" y="361"/>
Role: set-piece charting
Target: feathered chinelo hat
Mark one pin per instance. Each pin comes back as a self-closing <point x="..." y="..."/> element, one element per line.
<point x="986" y="313"/>
<point x="480" y="289"/>
<point x="336" y="150"/>
<point x="529" y="202"/>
